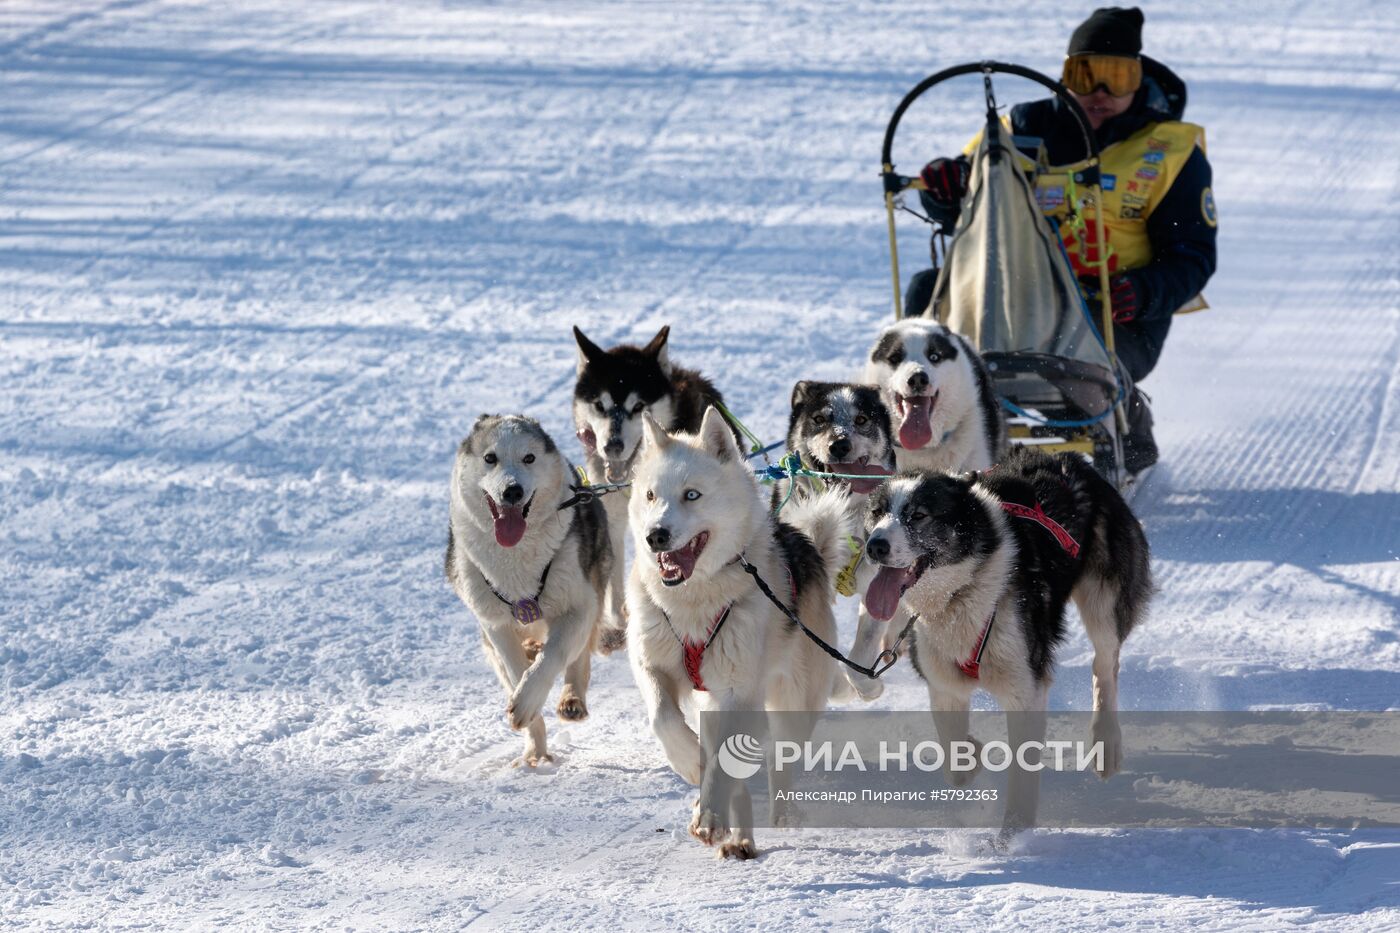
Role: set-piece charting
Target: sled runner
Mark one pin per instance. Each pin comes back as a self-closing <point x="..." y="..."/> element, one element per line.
<point x="1007" y="284"/>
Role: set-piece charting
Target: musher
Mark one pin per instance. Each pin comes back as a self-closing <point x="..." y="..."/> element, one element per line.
<point x="1161" y="217"/>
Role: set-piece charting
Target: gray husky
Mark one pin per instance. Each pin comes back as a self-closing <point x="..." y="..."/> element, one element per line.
<point x="532" y="573"/>
<point x="615" y="387"/>
<point x="839" y="427"/>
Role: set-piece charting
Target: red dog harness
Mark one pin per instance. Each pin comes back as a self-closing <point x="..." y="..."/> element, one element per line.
<point x="972" y="667"/>
<point x="693" y="652"/>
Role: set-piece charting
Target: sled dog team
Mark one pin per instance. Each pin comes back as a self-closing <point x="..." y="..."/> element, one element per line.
<point x="971" y="547"/>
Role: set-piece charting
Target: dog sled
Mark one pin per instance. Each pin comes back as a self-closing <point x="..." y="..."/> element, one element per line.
<point x="1006" y="283"/>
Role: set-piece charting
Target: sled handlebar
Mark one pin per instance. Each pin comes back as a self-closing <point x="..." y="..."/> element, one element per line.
<point x="1091" y="147"/>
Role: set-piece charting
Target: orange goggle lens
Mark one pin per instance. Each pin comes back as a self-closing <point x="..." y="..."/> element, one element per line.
<point x="1119" y="75"/>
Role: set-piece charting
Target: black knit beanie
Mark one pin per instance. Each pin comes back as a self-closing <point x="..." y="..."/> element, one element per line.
<point x="1109" y="31"/>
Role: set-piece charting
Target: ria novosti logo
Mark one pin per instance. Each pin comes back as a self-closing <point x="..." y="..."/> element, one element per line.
<point x="740" y="756"/>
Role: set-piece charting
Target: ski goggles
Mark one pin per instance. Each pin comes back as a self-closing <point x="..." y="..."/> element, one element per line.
<point x="1086" y="71"/>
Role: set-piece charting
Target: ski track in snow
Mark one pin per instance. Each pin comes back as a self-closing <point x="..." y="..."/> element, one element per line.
<point x="262" y="265"/>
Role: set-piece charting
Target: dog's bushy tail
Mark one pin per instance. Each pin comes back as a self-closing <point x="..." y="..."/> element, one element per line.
<point x="829" y="520"/>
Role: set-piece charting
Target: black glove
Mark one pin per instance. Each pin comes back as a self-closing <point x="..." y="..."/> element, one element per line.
<point x="946" y="180"/>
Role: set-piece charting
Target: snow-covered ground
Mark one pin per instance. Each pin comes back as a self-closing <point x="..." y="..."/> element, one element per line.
<point x="261" y="264"/>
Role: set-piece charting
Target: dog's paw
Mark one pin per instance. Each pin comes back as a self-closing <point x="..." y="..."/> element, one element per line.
<point x="532" y="648"/>
<point x="1105" y="730"/>
<point x="572" y="708"/>
<point x="533" y="760"/>
<point x="708" y="826"/>
<point x="612" y="638"/>
<point x="519" y="716"/>
<point x="741" y="849"/>
<point x="868" y="688"/>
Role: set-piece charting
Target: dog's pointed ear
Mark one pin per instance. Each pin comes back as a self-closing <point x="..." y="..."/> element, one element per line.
<point x="657" y="348"/>
<point x="653" y="433"/>
<point x="588" y="351"/>
<point x="801" y="392"/>
<point x="717" y="437"/>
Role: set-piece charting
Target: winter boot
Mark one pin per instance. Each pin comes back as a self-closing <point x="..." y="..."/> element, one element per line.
<point x="1139" y="448"/>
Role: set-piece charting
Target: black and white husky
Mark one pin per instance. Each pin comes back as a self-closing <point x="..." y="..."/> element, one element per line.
<point x="986" y="563"/>
<point x="840" y="427"/>
<point x="939" y="393"/>
<point x="698" y="626"/>
<point x="614" y="388"/>
<point x="532" y="573"/>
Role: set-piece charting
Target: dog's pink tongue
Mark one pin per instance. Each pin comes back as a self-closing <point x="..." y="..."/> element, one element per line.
<point x="882" y="596"/>
<point x="875" y="471"/>
<point x="914" y="430"/>
<point x="588" y="439"/>
<point x="510" y="525"/>
<point x="682" y="559"/>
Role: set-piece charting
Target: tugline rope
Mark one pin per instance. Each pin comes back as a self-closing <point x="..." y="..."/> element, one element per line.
<point x="888" y="656"/>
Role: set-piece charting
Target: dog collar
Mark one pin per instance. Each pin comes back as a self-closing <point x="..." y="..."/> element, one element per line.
<point x="526" y="609"/>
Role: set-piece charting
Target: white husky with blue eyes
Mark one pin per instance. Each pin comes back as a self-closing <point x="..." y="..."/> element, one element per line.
<point x="698" y="625"/>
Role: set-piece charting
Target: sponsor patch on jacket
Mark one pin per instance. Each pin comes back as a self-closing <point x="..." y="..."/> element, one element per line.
<point x="1147" y="173"/>
<point x="1109" y="182"/>
<point x="1153" y="156"/>
<point x="1050" y="198"/>
<point x="1158" y="144"/>
<point x="1208" y="206"/>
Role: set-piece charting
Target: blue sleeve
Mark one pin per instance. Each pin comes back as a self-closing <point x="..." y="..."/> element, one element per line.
<point x="1183" y="243"/>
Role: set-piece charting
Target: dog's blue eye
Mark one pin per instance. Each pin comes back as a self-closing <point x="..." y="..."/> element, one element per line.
<point x="490" y="459"/>
<point x="528" y="458"/>
<point x="691" y="495"/>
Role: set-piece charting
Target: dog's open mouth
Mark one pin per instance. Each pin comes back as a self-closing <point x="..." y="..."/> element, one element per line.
<point x="882" y="596"/>
<point x="588" y="439"/>
<point x="914" y="413"/>
<point x="860" y="467"/>
<point x="509" y="521"/>
<point x="677" y="566"/>
<point x="617" y="471"/>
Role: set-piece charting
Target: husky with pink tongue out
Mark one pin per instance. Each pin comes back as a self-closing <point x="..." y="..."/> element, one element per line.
<point x="700" y="632"/>
<point x="531" y="572"/>
<point x="986" y="564"/>
<point x="939" y="394"/>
